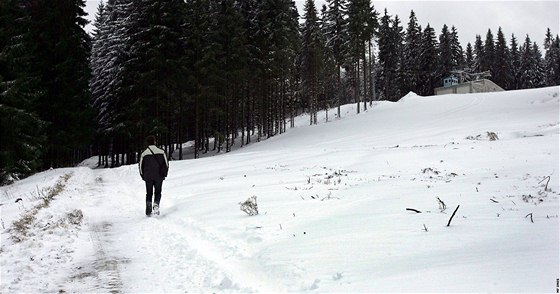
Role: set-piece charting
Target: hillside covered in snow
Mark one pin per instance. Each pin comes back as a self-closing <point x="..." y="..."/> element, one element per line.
<point x="453" y="193"/>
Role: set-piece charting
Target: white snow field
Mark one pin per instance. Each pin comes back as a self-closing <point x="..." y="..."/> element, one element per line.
<point x="332" y="202"/>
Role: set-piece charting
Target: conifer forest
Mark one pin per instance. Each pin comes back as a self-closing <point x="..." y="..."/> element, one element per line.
<point x="219" y="73"/>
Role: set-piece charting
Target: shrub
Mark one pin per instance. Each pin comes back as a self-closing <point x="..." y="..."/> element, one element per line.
<point x="250" y="206"/>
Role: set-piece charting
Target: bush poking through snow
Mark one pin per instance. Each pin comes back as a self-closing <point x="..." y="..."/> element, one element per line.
<point x="250" y="206"/>
<point x="491" y="136"/>
<point x="75" y="217"/>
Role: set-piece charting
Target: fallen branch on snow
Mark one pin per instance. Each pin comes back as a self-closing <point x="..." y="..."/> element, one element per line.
<point x="415" y="210"/>
<point x="449" y="222"/>
<point x="546" y="186"/>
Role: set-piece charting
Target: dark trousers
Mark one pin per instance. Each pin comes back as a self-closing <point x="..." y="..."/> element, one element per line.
<point x="150" y="185"/>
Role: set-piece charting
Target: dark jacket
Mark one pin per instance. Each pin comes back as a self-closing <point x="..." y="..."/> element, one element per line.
<point x="150" y="164"/>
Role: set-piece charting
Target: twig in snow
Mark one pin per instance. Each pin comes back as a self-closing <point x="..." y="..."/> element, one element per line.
<point x="425" y="228"/>
<point x="493" y="200"/>
<point x="449" y="222"/>
<point x="546" y="186"/>
<point x="442" y="206"/>
<point x="530" y="214"/>
<point x="415" y="210"/>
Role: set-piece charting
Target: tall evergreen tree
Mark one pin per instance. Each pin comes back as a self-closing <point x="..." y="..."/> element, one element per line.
<point x="540" y="79"/>
<point x="500" y="72"/>
<point x="232" y="60"/>
<point x="329" y="80"/>
<point x="107" y="62"/>
<point x="199" y="58"/>
<point x="514" y="64"/>
<point x="336" y="26"/>
<point x="552" y="59"/>
<point x="489" y="54"/>
<point x="469" y="57"/>
<point x="362" y="22"/>
<point x="311" y="57"/>
<point x="456" y="49"/>
<point x="428" y="61"/>
<point x="531" y="69"/>
<point x="154" y="71"/>
<point x="411" y="51"/>
<point x="21" y="129"/>
<point x="62" y="50"/>
<point x="446" y="62"/>
<point x="390" y="38"/>
<point x="479" y="54"/>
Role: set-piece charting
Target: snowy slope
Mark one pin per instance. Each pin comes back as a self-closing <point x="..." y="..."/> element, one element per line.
<point x="332" y="200"/>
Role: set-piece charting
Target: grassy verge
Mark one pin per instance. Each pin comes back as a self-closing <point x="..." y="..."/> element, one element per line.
<point x="20" y="229"/>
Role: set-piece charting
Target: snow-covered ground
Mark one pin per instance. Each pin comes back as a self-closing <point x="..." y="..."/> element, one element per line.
<point x="333" y="202"/>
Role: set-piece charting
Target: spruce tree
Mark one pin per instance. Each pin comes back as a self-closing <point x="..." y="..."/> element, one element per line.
<point x="445" y="52"/>
<point x="428" y="62"/>
<point x="232" y="60"/>
<point x="154" y="71"/>
<point x="390" y="39"/>
<point x="109" y="57"/>
<point x="469" y="57"/>
<point x="410" y="60"/>
<point x="531" y="67"/>
<point x="62" y="52"/>
<point x="335" y="30"/>
<point x="500" y="71"/>
<point x="362" y="23"/>
<point x="457" y="50"/>
<point x="552" y="59"/>
<point x="489" y="54"/>
<point x="311" y="58"/>
<point x="479" y="54"/>
<point x="514" y="65"/>
<point x="21" y="129"/>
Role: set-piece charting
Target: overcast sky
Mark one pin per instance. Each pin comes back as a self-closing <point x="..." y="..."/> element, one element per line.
<point x="470" y="18"/>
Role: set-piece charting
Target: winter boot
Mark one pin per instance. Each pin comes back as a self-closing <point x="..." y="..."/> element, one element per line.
<point x="148" y="208"/>
<point x="156" y="209"/>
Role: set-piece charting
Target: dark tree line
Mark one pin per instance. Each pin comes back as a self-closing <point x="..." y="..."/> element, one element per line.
<point x="217" y="73"/>
<point x="44" y="72"/>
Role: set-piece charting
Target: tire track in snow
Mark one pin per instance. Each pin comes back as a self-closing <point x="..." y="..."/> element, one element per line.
<point x="100" y="270"/>
<point x="106" y="266"/>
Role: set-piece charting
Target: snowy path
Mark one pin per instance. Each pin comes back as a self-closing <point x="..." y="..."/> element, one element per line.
<point x="133" y="253"/>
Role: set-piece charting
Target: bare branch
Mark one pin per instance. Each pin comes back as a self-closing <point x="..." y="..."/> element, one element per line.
<point x="415" y="210"/>
<point x="448" y="223"/>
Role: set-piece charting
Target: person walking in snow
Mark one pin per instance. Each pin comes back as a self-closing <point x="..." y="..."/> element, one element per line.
<point x="153" y="170"/>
